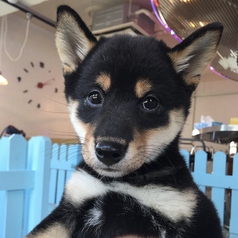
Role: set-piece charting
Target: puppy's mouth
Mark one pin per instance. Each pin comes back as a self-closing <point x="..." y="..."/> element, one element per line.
<point x="109" y="171"/>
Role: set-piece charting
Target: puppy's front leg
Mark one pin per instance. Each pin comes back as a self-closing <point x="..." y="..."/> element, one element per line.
<point x="55" y="230"/>
<point x="60" y="223"/>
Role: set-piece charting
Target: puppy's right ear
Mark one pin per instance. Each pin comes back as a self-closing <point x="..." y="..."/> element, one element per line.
<point x="73" y="38"/>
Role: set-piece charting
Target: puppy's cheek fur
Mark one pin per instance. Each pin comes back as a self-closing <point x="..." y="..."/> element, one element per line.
<point x="159" y="138"/>
<point x="80" y="127"/>
<point x="85" y="134"/>
<point x="88" y="148"/>
<point x="135" y="156"/>
<point x="148" y="145"/>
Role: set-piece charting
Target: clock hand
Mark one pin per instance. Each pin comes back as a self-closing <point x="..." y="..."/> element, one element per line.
<point x="41" y="85"/>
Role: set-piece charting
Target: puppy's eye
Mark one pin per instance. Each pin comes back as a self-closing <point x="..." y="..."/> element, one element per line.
<point x="95" y="98"/>
<point x="150" y="103"/>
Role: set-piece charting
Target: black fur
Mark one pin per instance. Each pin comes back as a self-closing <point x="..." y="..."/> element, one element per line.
<point x="116" y="213"/>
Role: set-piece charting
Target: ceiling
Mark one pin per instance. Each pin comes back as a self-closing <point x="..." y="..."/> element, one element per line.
<point x="185" y="16"/>
<point x="83" y="7"/>
<point x="47" y="9"/>
<point x="5" y="8"/>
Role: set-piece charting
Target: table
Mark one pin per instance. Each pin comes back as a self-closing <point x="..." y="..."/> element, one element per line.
<point x="222" y="134"/>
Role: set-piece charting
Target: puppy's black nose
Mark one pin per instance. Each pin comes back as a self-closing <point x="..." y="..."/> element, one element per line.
<point x="110" y="152"/>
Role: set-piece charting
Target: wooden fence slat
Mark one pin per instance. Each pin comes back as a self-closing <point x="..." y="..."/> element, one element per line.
<point x="185" y="154"/>
<point x="61" y="172"/>
<point x="63" y="163"/>
<point x="39" y="154"/>
<point x="53" y="177"/>
<point x="214" y="180"/>
<point x="231" y="235"/>
<point x="234" y="202"/>
<point x="200" y="168"/>
<point x="218" y="193"/>
<point x="13" y="157"/>
<point x="15" y="180"/>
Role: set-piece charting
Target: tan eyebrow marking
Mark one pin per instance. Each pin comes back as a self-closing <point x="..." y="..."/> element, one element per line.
<point x="104" y="81"/>
<point x="142" y="87"/>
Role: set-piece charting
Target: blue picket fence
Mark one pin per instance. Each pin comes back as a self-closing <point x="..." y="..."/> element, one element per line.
<point x="33" y="174"/>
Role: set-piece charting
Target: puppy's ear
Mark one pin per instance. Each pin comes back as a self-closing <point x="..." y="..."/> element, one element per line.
<point x="73" y="39"/>
<point x="191" y="57"/>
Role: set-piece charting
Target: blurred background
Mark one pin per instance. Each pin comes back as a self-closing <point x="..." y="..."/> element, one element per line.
<point x="33" y="99"/>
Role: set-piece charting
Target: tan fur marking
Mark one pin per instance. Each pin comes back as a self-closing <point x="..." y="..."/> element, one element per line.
<point x="67" y="69"/>
<point x="80" y="127"/>
<point x="164" y="135"/>
<point x="56" y="230"/>
<point x="85" y="133"/>
<point x="88" y="150"/>
<point x="143" y="86"/>
<point x="151" y="143"/>
<point x="104" y="81"/>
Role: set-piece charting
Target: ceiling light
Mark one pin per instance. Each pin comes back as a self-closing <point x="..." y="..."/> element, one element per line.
<point x="201" y="24"/>
<point x="3" y="81"/>
<point x="192" y="24"/>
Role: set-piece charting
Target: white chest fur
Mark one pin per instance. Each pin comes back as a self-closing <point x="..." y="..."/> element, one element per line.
<point x="172" y="203"/>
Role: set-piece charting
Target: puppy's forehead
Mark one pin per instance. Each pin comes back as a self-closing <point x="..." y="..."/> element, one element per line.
<point x="142" y="86"/>
<point x="127" y="63"/>
<point x="126" y="54"/>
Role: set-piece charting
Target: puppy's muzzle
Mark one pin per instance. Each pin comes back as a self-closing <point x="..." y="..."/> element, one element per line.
<point x="110" y="152"/>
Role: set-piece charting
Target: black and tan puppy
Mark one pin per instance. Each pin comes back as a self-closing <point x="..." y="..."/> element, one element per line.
<point x="128" y="98"/>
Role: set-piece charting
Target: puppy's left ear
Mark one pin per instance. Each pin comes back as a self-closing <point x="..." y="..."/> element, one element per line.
<point x="73" y="38"/>
<point x="191" y="57"/>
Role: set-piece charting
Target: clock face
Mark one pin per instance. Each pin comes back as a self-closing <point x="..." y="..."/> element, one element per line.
<point x="37" y="79"/>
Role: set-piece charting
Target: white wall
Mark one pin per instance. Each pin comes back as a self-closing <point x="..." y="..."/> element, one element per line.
<point x="219" y="99"/>
<point x="52" y="118"/>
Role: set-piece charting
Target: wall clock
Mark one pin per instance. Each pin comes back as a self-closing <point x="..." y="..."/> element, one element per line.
<point x="36" y="78"/>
